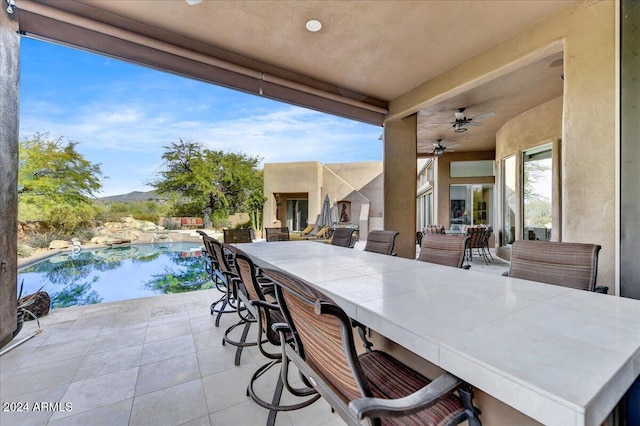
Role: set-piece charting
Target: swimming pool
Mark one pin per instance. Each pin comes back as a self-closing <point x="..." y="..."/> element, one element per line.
<point x="117" y="273"/>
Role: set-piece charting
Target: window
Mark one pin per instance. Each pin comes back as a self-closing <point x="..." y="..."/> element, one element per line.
<point x="471" y="168"/>
<point x="510" y="203"/>
<point x="425" y="210"/>
<point x="471" y="204"/>
<point x="537" y="193"/>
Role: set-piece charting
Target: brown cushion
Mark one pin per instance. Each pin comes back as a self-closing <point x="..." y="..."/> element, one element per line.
<point x="390" y="378"/>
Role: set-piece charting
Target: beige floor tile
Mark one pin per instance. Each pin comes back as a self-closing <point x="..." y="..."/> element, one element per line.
<point x="167" y="331"/>
<point x="218" y="359"/>
<point x="109" y="362"/>
<point x="202" y="421"/>
<point x="109" y="340"/>
<point x="228" y="388"/>
<point x="49" y="353"/>
<point x="96" y="392"/>
<point x="110" y="415"/>
<point x="31" y="414"/>
<point x="32" y="379"/>
<point x="170" y="406"/>
<point x="246" y="413"/>
<point x="165" y="349"/>
<point x="166" y="373"/>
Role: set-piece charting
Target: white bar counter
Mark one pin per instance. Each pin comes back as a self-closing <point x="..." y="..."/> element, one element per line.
<point x="558" y="355"/>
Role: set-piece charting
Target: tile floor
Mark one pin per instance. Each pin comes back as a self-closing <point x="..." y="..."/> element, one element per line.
<point x="152" y="361"/>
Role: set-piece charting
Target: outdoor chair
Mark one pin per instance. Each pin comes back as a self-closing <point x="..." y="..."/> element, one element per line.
<point x="343" y="237"/>
<point x="477" y="240"/>
<point x="220" y="275"/>
<point x="447" y="250"/>
<point x="381" y="242"/>
<point x="374" y="386"/>
<point x="277" y="234"/>
<point x="485" y="247"/>
<point x="572" y="265"/>
<point x="227" y="274"/>
<point x="266" y="311"/>
<point x="240" y="235"/>
<point x="429" y="229"/>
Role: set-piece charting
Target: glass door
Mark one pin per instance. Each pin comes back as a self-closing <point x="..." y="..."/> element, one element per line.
<point x="537" y="193"/>
<point x="297" y="214"/>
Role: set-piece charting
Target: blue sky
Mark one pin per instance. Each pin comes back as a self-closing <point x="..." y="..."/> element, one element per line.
<point x="123" y="114"/>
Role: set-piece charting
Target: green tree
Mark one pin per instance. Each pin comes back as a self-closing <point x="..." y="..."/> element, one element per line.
<point x="211" y="182"/>
<point x="56" y="178"/>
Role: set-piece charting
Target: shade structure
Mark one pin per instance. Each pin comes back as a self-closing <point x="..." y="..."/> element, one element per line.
<point x="325" y="213"/>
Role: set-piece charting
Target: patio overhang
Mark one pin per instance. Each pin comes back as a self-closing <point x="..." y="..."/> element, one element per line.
<point x="78" y="25"/>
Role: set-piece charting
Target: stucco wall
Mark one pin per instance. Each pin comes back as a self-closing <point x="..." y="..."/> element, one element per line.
<point x="533" y="128"/>
<point x="353" y="182"/>
<point x="300" y="177"/>
<point x="586" y="33"/>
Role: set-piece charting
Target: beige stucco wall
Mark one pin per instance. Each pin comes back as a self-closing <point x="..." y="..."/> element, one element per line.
<point x="538" y="126"/>
<point x="586" y="33"/>
<point x="299" y="177"/>
<point x="354" y="182"/>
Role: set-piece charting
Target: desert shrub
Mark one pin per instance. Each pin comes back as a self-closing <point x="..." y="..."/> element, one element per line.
<point x="169" y="225"/>
<point x="150" y="217"/>
<point x="66" y="218"/>
<point x="43" y="239"/>
<point x="84" y="234"/>
<point x="246" y="224"/>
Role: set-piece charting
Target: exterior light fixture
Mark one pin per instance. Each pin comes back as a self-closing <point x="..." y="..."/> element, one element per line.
<point x="313" y="25"/>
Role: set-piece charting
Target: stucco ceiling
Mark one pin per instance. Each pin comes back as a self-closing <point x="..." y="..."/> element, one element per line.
<point x="380" y="49"/>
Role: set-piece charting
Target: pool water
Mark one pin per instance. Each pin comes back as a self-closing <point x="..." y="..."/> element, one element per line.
<point x="117" y="273"/>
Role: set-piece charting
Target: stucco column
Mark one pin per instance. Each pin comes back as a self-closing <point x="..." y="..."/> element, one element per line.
<point x="400" y="180"/>
<point x="9" y="113"/>
<point x="630" y="152"/>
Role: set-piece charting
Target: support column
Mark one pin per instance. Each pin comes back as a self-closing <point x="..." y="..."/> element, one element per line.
<point x="630" y="151"/>
<point x="400" y="177"/>
<point x="9" y="97"/>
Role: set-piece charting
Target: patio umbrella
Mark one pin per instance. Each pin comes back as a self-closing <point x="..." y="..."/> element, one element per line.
<point x="325" y="213"/>
<point x="334" y="212"/>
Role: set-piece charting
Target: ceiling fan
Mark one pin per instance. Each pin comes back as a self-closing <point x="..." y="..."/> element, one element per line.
<point x="462" y="123"/>
<point x="439" y="149"/>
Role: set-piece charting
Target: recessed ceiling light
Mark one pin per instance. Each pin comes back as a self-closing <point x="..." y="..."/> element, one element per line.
<point x="193" y="2"/>
<point x="313" y="25"/>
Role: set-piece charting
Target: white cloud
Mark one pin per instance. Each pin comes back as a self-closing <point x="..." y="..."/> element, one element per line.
<point x="125" y="125"/>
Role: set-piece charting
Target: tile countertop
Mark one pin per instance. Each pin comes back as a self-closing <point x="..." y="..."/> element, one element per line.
<point x="560" y="356"/>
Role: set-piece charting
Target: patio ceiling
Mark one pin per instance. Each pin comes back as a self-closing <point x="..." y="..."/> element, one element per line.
<point x="366" y="54"/>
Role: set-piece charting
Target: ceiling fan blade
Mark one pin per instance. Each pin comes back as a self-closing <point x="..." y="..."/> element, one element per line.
<point x="441" y="122"/>
<point x="485" y="115"/>
<point x="474" y="123"/>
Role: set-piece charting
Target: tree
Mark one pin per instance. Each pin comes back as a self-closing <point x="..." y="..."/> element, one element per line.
<point x="56" y="178"/>
<point x="212" y="182"/>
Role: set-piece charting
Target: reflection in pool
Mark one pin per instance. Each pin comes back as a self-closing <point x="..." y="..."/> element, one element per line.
<point x="117" y="273"/>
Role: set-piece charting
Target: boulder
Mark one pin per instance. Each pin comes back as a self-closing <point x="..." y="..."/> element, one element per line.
<point x="59" y="244"/>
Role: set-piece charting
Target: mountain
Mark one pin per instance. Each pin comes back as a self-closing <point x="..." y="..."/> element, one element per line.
<point x="132" y="197"/>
